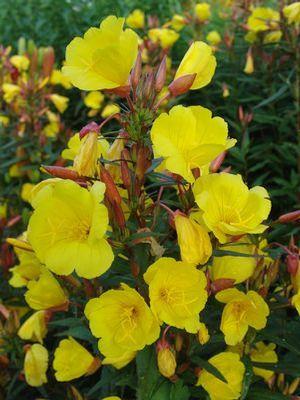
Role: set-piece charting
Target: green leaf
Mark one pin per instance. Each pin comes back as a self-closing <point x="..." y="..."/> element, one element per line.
<point x="265" y="394"/>
<point x="289" y="368"/>
<point x="247" y="377"/>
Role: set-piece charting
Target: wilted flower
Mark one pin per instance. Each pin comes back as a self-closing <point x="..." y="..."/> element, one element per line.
<point x="232" y="369"/>
<point x="193" y="240"/>
<point x="202" y="11"/>
<point x="188" y="138"/>
<point x="198" y="60"/>
<point x="93" y="62"/>
<point x="36" y="365"/>
<point x="229" y="207"/>
<point x="45" y="293"/>
<point x="71" y="360"/>
<point x="241" y="311"/>
<point x="86" y="161"/>
<point x="67" y="229"/>
<point x="136" y="19"/>
<point x="123" y="322"/>
<point x="34" y="328"/>
<point x="177" y="293"/>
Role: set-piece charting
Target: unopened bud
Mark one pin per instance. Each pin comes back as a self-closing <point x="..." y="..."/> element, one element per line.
<point x="60" y="172"/>
<point x="121" y="91"/>
<point x="181" y="85"/>
<point x="160" y="77"/>
<point x="85" y="162"/>
<point x="221" y="284"/>
<point x="289" y="217"/>
<point x="142" y="163"/>
<point x="91" y="127"/>
<point x="178" y="342"/>
<point x="148" y="88"/>
<point x="217" y="162"/>
<point x="249" y="67"/>
<point x="48" y="61"/>
<point x="166" y="362"/>
<point x="111" y="192"/>
<point x="293" y="386"/>
<point x="125" y="171"/>
<point x="203" y="335"/>
<point x="292" y="262"/>
<point x="136" y="71"/>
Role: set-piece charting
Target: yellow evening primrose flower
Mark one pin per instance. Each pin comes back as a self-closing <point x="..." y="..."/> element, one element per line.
<point x="10" y="91"/>
<point x="177" y="292"/>
<point x="51" y="130"/>
<point x="203" y="334"/>
<point x="36" y="365"/>
<point x="263" y="19"/>
<point x="4" y="120"/>
<point x="58" y="78"/>
<point x="34" y="328"/>
<point x="136" y="19"/>
<point x="71" y="360"/>
<point x="213" y="38"/>
<point x="60" y="102"/>
<point x="20" y="62"/>
<point x="234" y="267"/>
<point x="103" y="58"/>
<point x="263" y="353"/>
<point x="45" y="293"/>
<point x="67" y="229"/>
<point x="241" y="311"/>
<point x="110" y="109"/>
<point x="229" y="207"/>
<point x="249" y="66"/>
<point x="202" y="11"/>
<point x="292" y="12"/>
<point x="193" y="239"/>
<point x="94" y="99"/>
<point x="26" y="191"/>
<point x="29" y="268"/>
<point x="232" y="369"/>
<point x="123" y="322"/>
<point x="199" y="60"/>
<point x="163" y="36"/>
<point x="189" y="137"/>
<point x="178" y="22"/>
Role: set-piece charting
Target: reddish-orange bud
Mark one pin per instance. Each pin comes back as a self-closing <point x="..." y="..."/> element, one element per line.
<point x="136" y="71"/>
<point x="160" y="77"/>
<point x="60" y="172"/>
<point x="217" y="162"/>
<point x="289" y="217"/>
<point x="121" y="91"/>
<point x="181" y="85"/>
<point x="125" y="171"/>
<point x="142" y="162"/>
<point x="111" y="192"/>
<point x="48" y="61"/>
<point x="221" y="284"/>
<point x="292" y="263"/>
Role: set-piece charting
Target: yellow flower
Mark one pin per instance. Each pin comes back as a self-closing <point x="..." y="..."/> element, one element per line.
<point x="45" y="293"/>
<point x="136" y="19"/>
<point x="3" y="210"/>
<point x="193" y="239"/>
<point x="73" y="148"/>
<point x="113" y="154"/>
<point x="163" y="36"/>
<point x="234" y="267"/>
<point x="272" y="37"/>
<point x="229" y="207"/>
<point x="26" y="191"/>
<point x="232" y="369"/>
<point x="29" y="268"/>
<point x="198" y="60"/>
<point x="203" y="334"/>
<point x="110" y="109"/>
<point x="10" y="91"/>
<point x="213" y="38"/>
<point x="112" y="398"/>
<point x="67" y="229"/>
<point x="166" y="362"/>
<point x="241" y="311"/>
<point x="60" y="102"/>
<point x="4" y="120"/>
<point x="265" y="354"/>
<point x="34" y="328"/>
<point x="188" y="137"/>
<point x="251" y="36"/>
<point x="58" y="78"/>
<point x="94" y="99"/>
<point x="178" y="22"/>
<point x="292" y="12"/>
<point x="36" y="365"/>
<point x="177" y="293"/>
<point x="51" y="129"/>
<point x="71" y="360"/>
<point x="249" y="66"/>
<point x="263" y="19"/>
<point x="20" y="62"/>
<point x="123" y="322"/>
<point x="296" y="301"/>
<point x="202" y="11"/>
<point x="103" y="58"/>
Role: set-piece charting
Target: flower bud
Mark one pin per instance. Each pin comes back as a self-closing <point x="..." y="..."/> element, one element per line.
<point x="217" y="162"/>
<point x="181" y="85"/>
<point x="221" y="284"/>
<point x="166" y="362"/>
<point x="136" y="71"/>
<point x="249" y="67"/>
<point x="60" y="172"/>
<point x="85" y="163"/>
<point x="193" y="240"/>
<point x="292" y="262"/>
<point x="203" y="335"/>
<point x="289" y="217"/>
<point x="48" y="61"/>
<point x="160" y="77"/>
<point x="125" y="171"/>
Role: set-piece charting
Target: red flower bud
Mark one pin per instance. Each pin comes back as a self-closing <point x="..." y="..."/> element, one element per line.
<point x="181" y="85"/>
<point x="217" y="162"/>
<point x="60" y="172"/>
<point x="160" y="77"/>
<point x="111" y="192"/>
<point x="292" y="262"/>
<point x="136" y="71"/>
<point x="289" y="217"/>
<point x="221" y="284"/>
